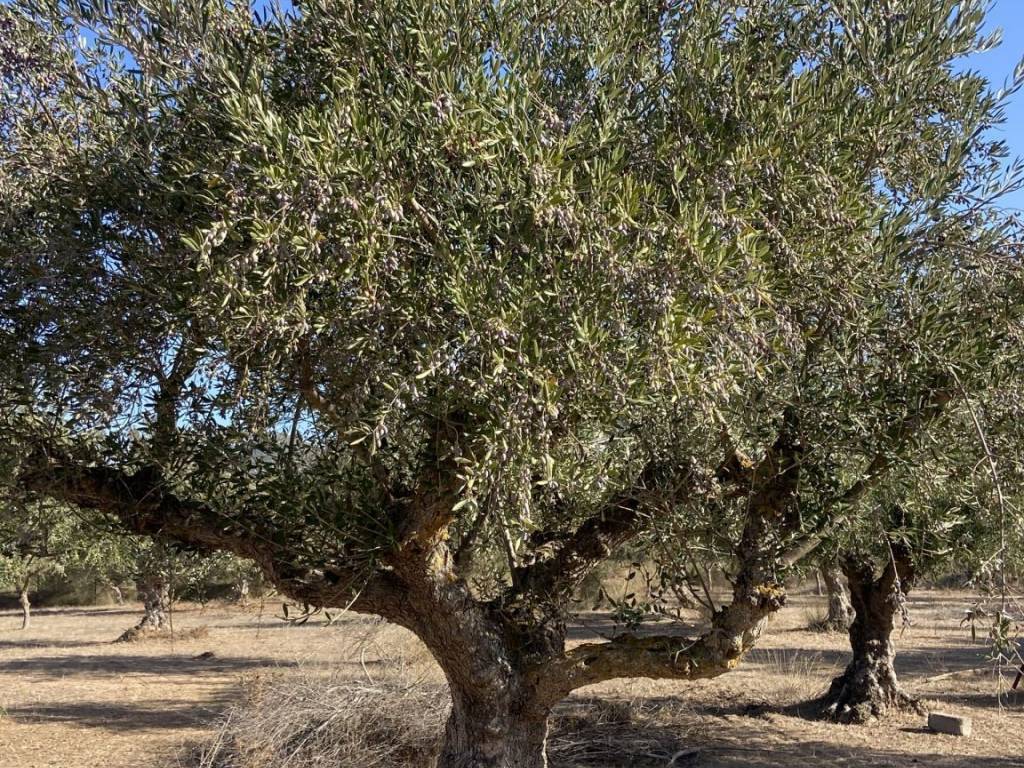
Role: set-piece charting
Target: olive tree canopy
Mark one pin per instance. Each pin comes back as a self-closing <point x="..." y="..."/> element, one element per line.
<point x="384" y="294"/>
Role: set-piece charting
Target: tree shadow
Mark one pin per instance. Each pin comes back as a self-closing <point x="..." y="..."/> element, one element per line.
<point x="119" y="716"/>
<point x="24" y="644"/>
<point x="165" y="664"/>
<point x="71" y="612"/>
<point x="666" y="724"/>
<point x="1010" y="700"/>
<point x="909" y="662"/>
<point x="662" y="731"/>
<point x="748" y="755"/>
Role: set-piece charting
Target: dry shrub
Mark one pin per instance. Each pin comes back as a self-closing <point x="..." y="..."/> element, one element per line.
<point x="600" y="733"/>
<point x="309" y="720"/>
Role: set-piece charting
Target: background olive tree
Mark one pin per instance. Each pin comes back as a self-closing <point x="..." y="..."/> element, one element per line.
<point x="38" y="540"/>
<point x="372" y="293"/>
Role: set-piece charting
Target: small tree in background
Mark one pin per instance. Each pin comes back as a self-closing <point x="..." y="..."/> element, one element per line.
<point x="37" y="540"/>
<point x="376" y="293"/>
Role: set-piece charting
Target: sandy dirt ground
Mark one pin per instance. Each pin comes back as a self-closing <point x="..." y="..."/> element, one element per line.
<point x="70" y="698"/>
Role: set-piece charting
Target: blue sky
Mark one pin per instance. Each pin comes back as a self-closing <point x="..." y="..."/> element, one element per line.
<point x="998" y="66"/>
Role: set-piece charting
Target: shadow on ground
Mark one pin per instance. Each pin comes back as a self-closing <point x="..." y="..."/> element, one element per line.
<point x="814" y="753"/>
<point x="122" y="716"/>
<point x="910" y="662"/>
<point x="141" y="664"/>
<point x="23" y="644"/>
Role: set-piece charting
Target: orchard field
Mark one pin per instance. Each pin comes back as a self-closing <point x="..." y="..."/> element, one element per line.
<point x="71" y="698"/>
<point x="488" y="335"/>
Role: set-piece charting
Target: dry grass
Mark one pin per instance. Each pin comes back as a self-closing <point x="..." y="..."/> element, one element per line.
<point x="306" y="719"/>
<point x="595" y="733"/>
<point x="70" y="698"/>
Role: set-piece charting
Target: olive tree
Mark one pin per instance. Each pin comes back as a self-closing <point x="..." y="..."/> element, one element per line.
<point x="954" y="512"/>
<point x="385" y="294"/>
<point x="880" y="569"/>
<point x="37" y="540"/>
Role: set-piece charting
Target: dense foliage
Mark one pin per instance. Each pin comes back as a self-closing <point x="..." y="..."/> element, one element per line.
<point x="368" y="290"/>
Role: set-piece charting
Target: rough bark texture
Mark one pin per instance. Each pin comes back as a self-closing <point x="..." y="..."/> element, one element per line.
<point x="26" y="608"/>
<point x="868" y="688"/>
<point x="494" y="736"/>
<point x="156" y="599"/>
<point x="840" y="611"/>
<point x="154" y="592"/>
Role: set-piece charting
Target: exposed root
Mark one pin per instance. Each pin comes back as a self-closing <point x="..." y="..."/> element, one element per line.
<point x="863" y="693"/>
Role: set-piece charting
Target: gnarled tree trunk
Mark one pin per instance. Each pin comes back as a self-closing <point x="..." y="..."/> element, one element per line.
<point x="868" y="687"/>
<point x="504" y="658"/>
<point x="840" y="611"/>
<point x="155" y="594"/>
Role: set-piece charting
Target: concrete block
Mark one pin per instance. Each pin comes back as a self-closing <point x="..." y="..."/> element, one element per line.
<point x="943" y="722"/>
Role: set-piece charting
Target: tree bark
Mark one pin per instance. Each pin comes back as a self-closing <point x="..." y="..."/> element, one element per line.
<point x="494" y="736"/>
<point x="26" y="607"/>
<point x="840" y="611"/>
<point x="154" y="592"/>
<point x="869" y="688"/>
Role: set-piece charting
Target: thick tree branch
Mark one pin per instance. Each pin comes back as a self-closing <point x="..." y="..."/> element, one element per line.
<point x="144" y="505"/>
<point x="619" y="520"/>
<point x="734" y="631"/>
<point x="307" y="386"/>
<point x="170" y="386"/>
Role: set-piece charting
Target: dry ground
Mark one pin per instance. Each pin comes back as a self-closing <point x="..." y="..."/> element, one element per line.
<point x="69" y="698"/>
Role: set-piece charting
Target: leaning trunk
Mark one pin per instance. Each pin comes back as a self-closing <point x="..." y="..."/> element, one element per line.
<point x="26" y="607"/>
<point x="840" y="611"/>
<point x="868" y="688"/>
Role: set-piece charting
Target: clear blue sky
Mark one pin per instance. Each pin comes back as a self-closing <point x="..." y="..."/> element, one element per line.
<point x="998" y="66"/>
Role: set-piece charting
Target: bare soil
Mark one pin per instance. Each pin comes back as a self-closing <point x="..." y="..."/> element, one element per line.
<point x="72" y="698"/>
